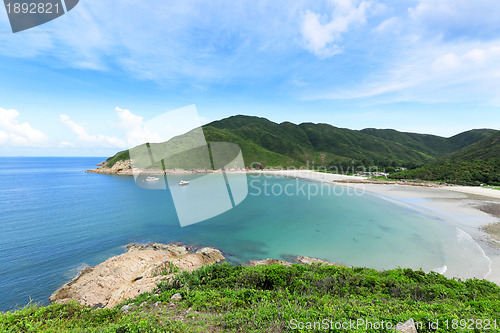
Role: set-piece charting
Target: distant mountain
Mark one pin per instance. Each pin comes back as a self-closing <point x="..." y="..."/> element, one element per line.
<point x="477" y="163"/>
<point x="321" y="143"/>
<point x="486" y="150"/>
<point x="307" y="141"/>
<point x="431" y="144"/>
<point x="287" y="144"/>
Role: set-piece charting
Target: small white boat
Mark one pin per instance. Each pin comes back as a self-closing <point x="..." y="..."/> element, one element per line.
<point x="183" y="182"/>
<point x="152" y="179"/>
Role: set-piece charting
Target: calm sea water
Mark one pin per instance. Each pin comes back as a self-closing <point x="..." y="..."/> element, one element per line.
<point x="55" y="220"/>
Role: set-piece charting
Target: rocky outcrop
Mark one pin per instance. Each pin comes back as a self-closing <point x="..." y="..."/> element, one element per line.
<point x="268" y="262"/>
<point x="308" y="261"/>
<point x="407" y="327"/>
<point x="141" y="268"/>
<point x="294" y="260"/>
<point x="119" y="168"/>
<point x="132" y="273"/>
<point x="125" y="168"/>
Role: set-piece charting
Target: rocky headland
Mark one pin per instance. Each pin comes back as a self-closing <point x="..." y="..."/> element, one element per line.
<point x="119" y="168"/>
<point x="141" y="268"/>
<point x="132" y="273"/>
<point x="125" y="168"/>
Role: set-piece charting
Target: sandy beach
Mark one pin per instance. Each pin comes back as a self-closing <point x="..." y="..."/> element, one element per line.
<point x="474" y="210"/>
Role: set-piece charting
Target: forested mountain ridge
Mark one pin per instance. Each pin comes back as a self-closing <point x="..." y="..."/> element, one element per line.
<point x="286" y="144"/>
<point x="478" y="163"/>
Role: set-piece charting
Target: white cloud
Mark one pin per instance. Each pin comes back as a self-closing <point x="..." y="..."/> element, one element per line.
<point x="458" y="18"/>
<point x="474" y="62"/>
<point x="392" y="24"/>
<point x="322" y="38"/>
<point x="133" y="127"/>
<point x="446" y="62"/>
<point x="161" y="40"/>
<point x="14" y="133"/>
<point x="3" y="137"/>
<point x="87" y="140"/>
<point x="431" y="73"/>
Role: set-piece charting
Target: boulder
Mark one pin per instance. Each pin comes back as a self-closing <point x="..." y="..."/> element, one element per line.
<point x="407" y="327"/>
<point x="132" y="273"/>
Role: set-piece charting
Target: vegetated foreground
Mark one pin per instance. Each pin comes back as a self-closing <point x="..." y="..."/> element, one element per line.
<point x="279" y="298"/>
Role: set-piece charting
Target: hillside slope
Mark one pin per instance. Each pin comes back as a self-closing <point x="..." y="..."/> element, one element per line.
<point x="224" y="298"/>
<point x="287" y="144"/>
<point x="321" y="143"/>
<point x="478" y="163"/>
<point x="432" y="145"/>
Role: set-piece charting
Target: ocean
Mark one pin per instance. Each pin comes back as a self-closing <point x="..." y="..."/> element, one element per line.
<point x="55" y="220"/>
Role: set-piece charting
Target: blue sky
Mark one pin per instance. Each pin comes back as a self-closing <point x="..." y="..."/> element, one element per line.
<point x="68" y="87"/>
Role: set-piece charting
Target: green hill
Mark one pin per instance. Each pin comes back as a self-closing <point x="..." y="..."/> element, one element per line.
<point x="321" y="143"/>
<point x="286" y="144"/>
<point x="478" y="163"/>
<point x="432" y="145"/>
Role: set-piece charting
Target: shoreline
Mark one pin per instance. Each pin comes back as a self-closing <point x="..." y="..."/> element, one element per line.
<point x="308" y="174"/>
<point x="142" y="267"/>
<point x="474" y="211"/>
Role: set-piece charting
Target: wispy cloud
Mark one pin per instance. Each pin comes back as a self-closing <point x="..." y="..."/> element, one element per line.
<point x="466" y="72"/>
<point x="451" y="66"/>
<point x="392" y="25"/>
<point x="15" y="133"/>
<point x="458" y="19"/>
<point x="84" y="139"/>
<point x="258" y="56"/>
<point x="133" y="128"/>
<point x="322" y="38"/>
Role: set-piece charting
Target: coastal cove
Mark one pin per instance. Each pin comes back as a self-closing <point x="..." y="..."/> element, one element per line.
<point x="57" y="220"/>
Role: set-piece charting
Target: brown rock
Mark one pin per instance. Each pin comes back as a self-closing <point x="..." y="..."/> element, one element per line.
<point x="308" y="261"/>
<point x="132" y="273"/>
<point x="407" y="327"/>
<point x="269" y="261"/>
<point x="296" y="259"/>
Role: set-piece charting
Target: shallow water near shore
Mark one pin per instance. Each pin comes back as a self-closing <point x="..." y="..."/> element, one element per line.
<point x="55" y="219"/>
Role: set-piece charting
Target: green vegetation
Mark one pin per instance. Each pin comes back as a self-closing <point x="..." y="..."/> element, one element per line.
<point x="287" y="144"/>
<point x="321" y="144"/>
<point x="476" y="164"/>
<point x="270" y="298"/>
<point x="431" y="144"/>
<point x="494" y="187"/>
<point x="169" y="269"/>
<point x="468" y="158"/>
<point x="120" y="156"/>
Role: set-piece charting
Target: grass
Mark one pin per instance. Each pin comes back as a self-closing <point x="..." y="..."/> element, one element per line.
<point x="169" y="269"/>
<point x="493" y="187"/>
<point x="276" y="298"/>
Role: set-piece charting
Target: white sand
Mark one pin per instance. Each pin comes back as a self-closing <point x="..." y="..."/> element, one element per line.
<point x="482" y="191"/>
<point x="455" y="204"/>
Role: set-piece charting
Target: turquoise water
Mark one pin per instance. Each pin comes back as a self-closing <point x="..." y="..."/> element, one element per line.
<point x="55" y="219"/>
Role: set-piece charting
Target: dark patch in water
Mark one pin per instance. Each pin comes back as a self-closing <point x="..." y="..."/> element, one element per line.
<point x="252" y="248"/>
<point x="385" y="228"/>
